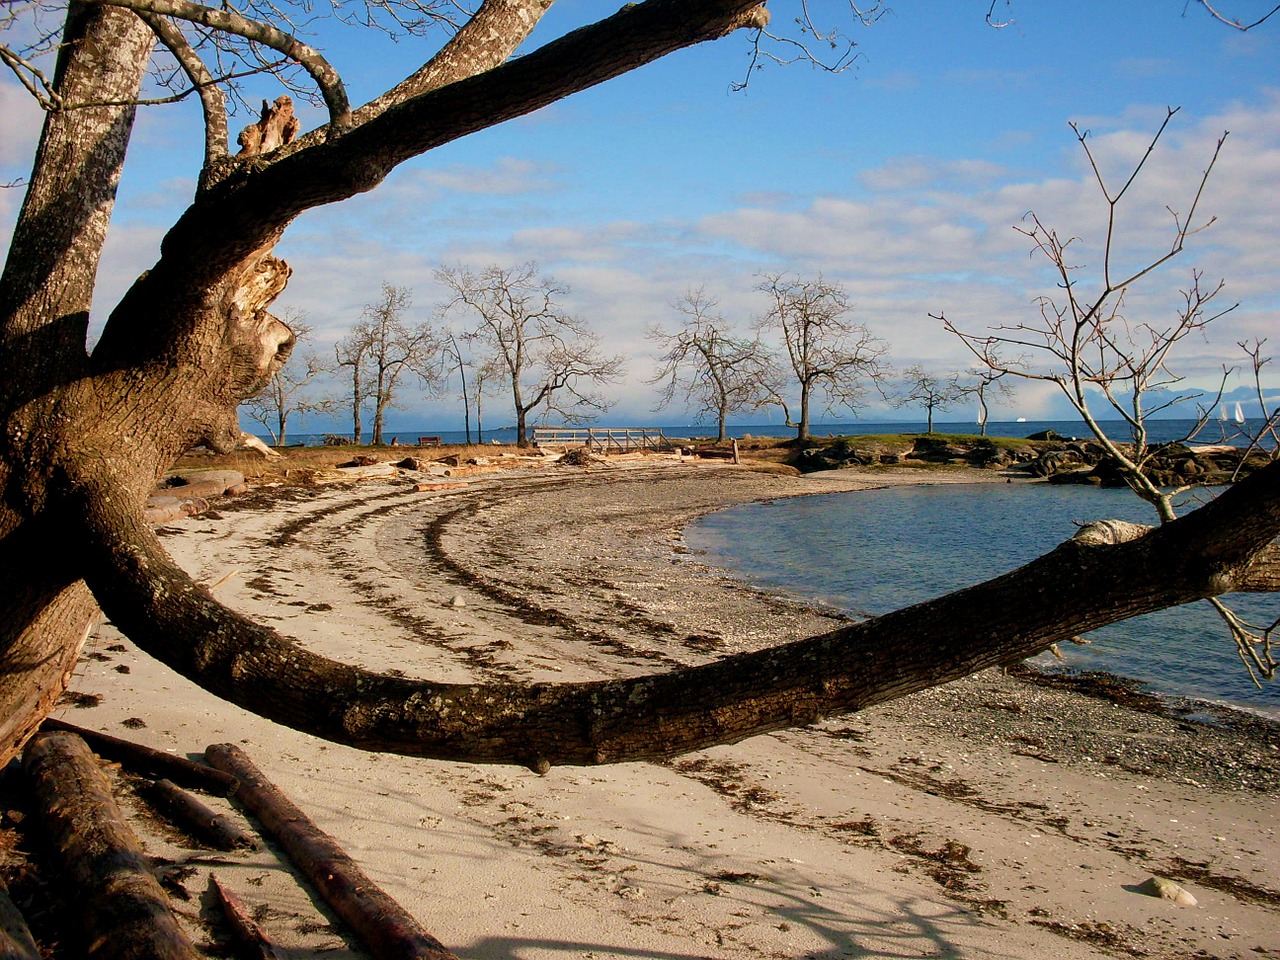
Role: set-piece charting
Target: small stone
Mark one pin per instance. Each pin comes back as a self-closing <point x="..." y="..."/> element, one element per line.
<point x="457" y="601"/>
<point x="1167" y="890"/>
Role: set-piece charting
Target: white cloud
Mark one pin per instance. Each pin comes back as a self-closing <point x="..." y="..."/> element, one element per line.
<point x="508" y="175"/>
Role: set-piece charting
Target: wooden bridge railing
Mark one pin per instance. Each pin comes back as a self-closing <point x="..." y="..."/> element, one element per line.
<point x="602" y="439"/>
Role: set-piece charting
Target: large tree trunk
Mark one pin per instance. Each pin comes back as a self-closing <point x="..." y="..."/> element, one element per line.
<point x="45" y="294"/>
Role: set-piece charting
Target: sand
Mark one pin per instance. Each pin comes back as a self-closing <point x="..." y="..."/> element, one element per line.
<point x="993" y="818"/>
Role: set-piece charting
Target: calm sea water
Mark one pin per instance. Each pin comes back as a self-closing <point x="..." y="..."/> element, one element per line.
<point x="1160" y="430"/>
<point x="875" y="551"/>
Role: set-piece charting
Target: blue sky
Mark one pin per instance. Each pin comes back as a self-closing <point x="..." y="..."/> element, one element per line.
<point x="901" y="178"/>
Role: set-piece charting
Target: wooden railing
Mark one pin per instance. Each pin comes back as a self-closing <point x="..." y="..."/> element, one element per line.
<point x="602" y="439"/>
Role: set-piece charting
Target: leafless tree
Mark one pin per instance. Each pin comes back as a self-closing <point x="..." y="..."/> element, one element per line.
<point x="1090" y="344"/>
<point x="291" y="390"/>
<point x="830" y="357"/>
<point x="352" y="354"/>
<point x="193" y="337"/>
<point x="979" y="382"/>
<point x="549" y="358"/>
<point x="928" y="390"/>
<point x="388" y="348"/>
<point x="712" y="370"/>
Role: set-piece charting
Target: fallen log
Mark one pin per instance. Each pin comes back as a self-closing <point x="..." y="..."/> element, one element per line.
<point x="16" y="942"/>
<point x="216" y="829"/>
<point x="384" y="926"/>
<point x="124" y="913"/>
<point x="154" y="763"/>
<point x="253" y="943"/>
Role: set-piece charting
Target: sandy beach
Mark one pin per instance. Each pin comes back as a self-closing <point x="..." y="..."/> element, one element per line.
<point x="992" y="818"/>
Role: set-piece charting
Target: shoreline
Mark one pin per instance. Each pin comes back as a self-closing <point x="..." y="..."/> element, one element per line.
<point x="993" y="817"/>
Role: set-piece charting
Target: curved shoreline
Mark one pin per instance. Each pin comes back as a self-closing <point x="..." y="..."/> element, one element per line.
<point x="991" y="817"/>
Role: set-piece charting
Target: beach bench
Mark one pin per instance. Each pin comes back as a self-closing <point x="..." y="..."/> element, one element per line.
<point x="428" y="441"/>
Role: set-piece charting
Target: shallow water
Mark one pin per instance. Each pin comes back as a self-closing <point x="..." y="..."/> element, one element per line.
<point x="872" y="552"/>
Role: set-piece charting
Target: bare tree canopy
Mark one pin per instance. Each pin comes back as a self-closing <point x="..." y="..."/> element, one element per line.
<point x="381" y="348"/>
<point x="548" y="358"/>
<point x="711" y="368"/>
<point x="929" y="390"/>
<point x="831" y="358"/>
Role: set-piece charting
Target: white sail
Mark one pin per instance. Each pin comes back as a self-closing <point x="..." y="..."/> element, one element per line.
<point x="1222" y="412"/>
<point x="1239" y="414"/>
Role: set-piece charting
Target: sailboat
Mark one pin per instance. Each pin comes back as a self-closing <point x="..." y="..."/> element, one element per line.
<point x="1222" y="413"/>
<point x="1239" y="414"/>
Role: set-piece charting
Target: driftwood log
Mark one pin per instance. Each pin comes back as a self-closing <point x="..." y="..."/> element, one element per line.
<point x="216" y="829"/>
<point x="385" y="927"/>
<point x="16" y="942"/>
<point x="125" y="914"/>
<point x="154" y="763"/>
<point x="251" y="941"/>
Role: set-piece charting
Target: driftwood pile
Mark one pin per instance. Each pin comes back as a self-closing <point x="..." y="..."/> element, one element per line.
<point x="119" y="904"/>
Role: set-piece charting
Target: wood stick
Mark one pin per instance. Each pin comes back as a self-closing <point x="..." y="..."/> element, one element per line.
<point x="253" y="943"/>
<point x="384" y="926"/>
<point x="16" y="942"/>
<point x="147" y="760"/>
<point x="216" y="829"/>
<point x="124" y="912"/>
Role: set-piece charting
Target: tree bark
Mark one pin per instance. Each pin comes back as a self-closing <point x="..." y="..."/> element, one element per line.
<point x="126" y="915"/>
<point x="145" y="760"/>
<point x="45" y="294"/>
<point x="215" y="829"/>
<point x="253" y="942"/>
<point x="16" y="942"/>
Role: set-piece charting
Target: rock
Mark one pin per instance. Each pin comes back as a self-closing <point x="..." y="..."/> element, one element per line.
<point x="408" y="463"/>
<point x="1045" y="435"/>
<point x="457" y="601"/>
<point x="1166" y="890"/>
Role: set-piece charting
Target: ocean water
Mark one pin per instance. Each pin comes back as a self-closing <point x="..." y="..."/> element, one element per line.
<point x="874" y="551"/>
<point x="1160" y="430"/>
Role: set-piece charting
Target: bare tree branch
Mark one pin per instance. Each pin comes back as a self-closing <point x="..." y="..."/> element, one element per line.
<point x="326" y="78"/>
<point x="33" y="78"/>
<point x="1233" y="21"/>
<point x="212" y="101"/>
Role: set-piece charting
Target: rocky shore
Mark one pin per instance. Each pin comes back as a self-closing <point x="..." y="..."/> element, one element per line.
<point x="1007" y="815"/>
<point x="1043" y="456"/>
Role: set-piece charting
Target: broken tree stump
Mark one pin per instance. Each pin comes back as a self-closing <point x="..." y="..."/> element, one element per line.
<point x="216" y="829"/>
<point x="248" y="935"/>
<point x="155" y="763"/>
<point x="384" y="926"/>
<point x="124" y="913"/>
